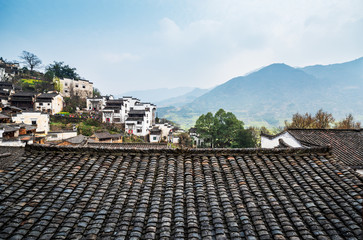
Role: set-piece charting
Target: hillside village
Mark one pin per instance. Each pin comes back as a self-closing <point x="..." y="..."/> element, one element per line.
<point x="35" y="112"/>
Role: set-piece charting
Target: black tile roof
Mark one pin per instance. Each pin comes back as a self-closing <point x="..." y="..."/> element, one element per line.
<point x="144" y="146"/>
<point x="347" y="144"/>
<point x="73" y="193"/>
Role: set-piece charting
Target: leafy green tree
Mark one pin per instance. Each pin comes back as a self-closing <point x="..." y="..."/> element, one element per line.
<point x="59" y="69"/>
<point x="205" y="128"/>
<point x="96" y="92"/>
<point x="224" y="130"/>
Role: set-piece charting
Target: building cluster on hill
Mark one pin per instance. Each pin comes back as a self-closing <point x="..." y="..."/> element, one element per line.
<point x="138" y="118"/>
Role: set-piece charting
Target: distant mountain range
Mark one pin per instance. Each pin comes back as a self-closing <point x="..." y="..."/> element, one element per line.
<point x="274" y="93"/>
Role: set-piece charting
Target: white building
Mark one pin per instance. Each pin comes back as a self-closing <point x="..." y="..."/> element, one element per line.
<point x="98" y="103"/>
<point x="38" y="119"/>
<point x="155" y="135"/>
<point x="197" y="141"/>
<point x="114" y="111"/>
<point x="76" y="87"/>
<point x="51" y="103"/>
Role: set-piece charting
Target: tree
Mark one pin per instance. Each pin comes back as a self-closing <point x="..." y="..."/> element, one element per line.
<point x="301" y="121"/>
<point x="62" y="71"/>
<point x="31" y="60"/>
<point x="348" y="123"/>
<point x="185" y="140"/>
<point x="223" y="130"/>
<point x="323" y="119"/>
<point x="96" y="92"/>
<point x="205" y="128"/>
<point x="320" y="120"/>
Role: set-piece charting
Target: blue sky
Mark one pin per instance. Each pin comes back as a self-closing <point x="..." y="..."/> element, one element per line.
<point x="135" y="45"/>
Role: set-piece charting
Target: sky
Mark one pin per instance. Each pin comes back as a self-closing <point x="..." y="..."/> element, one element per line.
<point x="132" y="45"/>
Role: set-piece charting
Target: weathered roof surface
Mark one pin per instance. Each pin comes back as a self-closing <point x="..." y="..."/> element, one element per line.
<point x="47" y="95"/>
<point x="106" y="135"/>
<point x="347" y="144"/>
<point x="128" y="145"/>
<point x="73" y="193"/>
<point x="79" y="139"/>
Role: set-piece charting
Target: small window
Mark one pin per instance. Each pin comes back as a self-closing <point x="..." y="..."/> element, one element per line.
<point x="66" y="84"/>
<point x="83" y="86"/>
<point x="34" y="122"/>
<point x="48" y="104"/>
<point x="139" y="130"/>
<point x="138" y="122"/>
<point x="65" y="90"/>
<point x="40" y="104"/>
<point x="154" y="138"/>
<point x="76" y="85"/>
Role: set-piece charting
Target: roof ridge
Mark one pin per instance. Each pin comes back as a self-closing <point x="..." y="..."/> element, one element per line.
<point x="321" y="150"/>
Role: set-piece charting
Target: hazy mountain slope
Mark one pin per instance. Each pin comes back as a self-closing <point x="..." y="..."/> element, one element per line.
<point x="183" y="99"/>
<point x="348" y="73"/>
<point x="156" y="95"/>
<point x="273" y="93"/>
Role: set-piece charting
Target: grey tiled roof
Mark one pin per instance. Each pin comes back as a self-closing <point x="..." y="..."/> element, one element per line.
<point x="73" y="193"/>
<point x="347" y="144"/>
<point x="128" y="145"/>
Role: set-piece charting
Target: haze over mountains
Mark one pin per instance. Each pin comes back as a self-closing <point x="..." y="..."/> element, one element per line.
<point x="274" y="93"/>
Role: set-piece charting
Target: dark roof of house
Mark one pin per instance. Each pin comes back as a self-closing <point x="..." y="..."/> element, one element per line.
<point x="79" y="139"/>
<point x="106" y="135"/>
<point x="347" y="144"/>
<point x="24" y="94"/>
<point x="73" y="193"/>
<point x="137" y="112"/>
<point x="134" y="119"/>
<point x="46" y="96"/>
<point x="155" y="130"/>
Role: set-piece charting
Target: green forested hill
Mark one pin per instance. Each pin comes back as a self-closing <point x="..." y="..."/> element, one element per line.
<point x="272" y="94"/>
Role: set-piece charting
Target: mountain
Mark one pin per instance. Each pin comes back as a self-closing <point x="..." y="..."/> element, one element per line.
<point x="274" y="93"/>
<point x="182" y="99"/>
<point x="157" y="95"/>
<point x="339" y="73"/>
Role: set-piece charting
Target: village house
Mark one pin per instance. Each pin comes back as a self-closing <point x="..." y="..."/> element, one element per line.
<point x="6" y="90"/>
<point x="106" y="137"/>
<point x="346" y="143"/>
<point x="114" y="111"/>
<point x="73" y="192"/>
<point x="61" y="135"/>
<point x="98" y="103"/>
<point x="51" y="103"/>
<point x="16" y="135"/>
<point x="8" y="70"/>
<point x="38" y="119"/>
<point x="155" y="135"/>
<point x="23" y="100"/>
<point x="197" y="140"/>
<point x="137" y="116"/>
<point x="76" y="87"/>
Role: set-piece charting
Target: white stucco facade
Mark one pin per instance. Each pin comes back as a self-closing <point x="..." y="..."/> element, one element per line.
<point x="53" y="106"/>
<point x="274" y="142"/>
<point x="79" y="87"/>
<point x="41" y="120"/>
